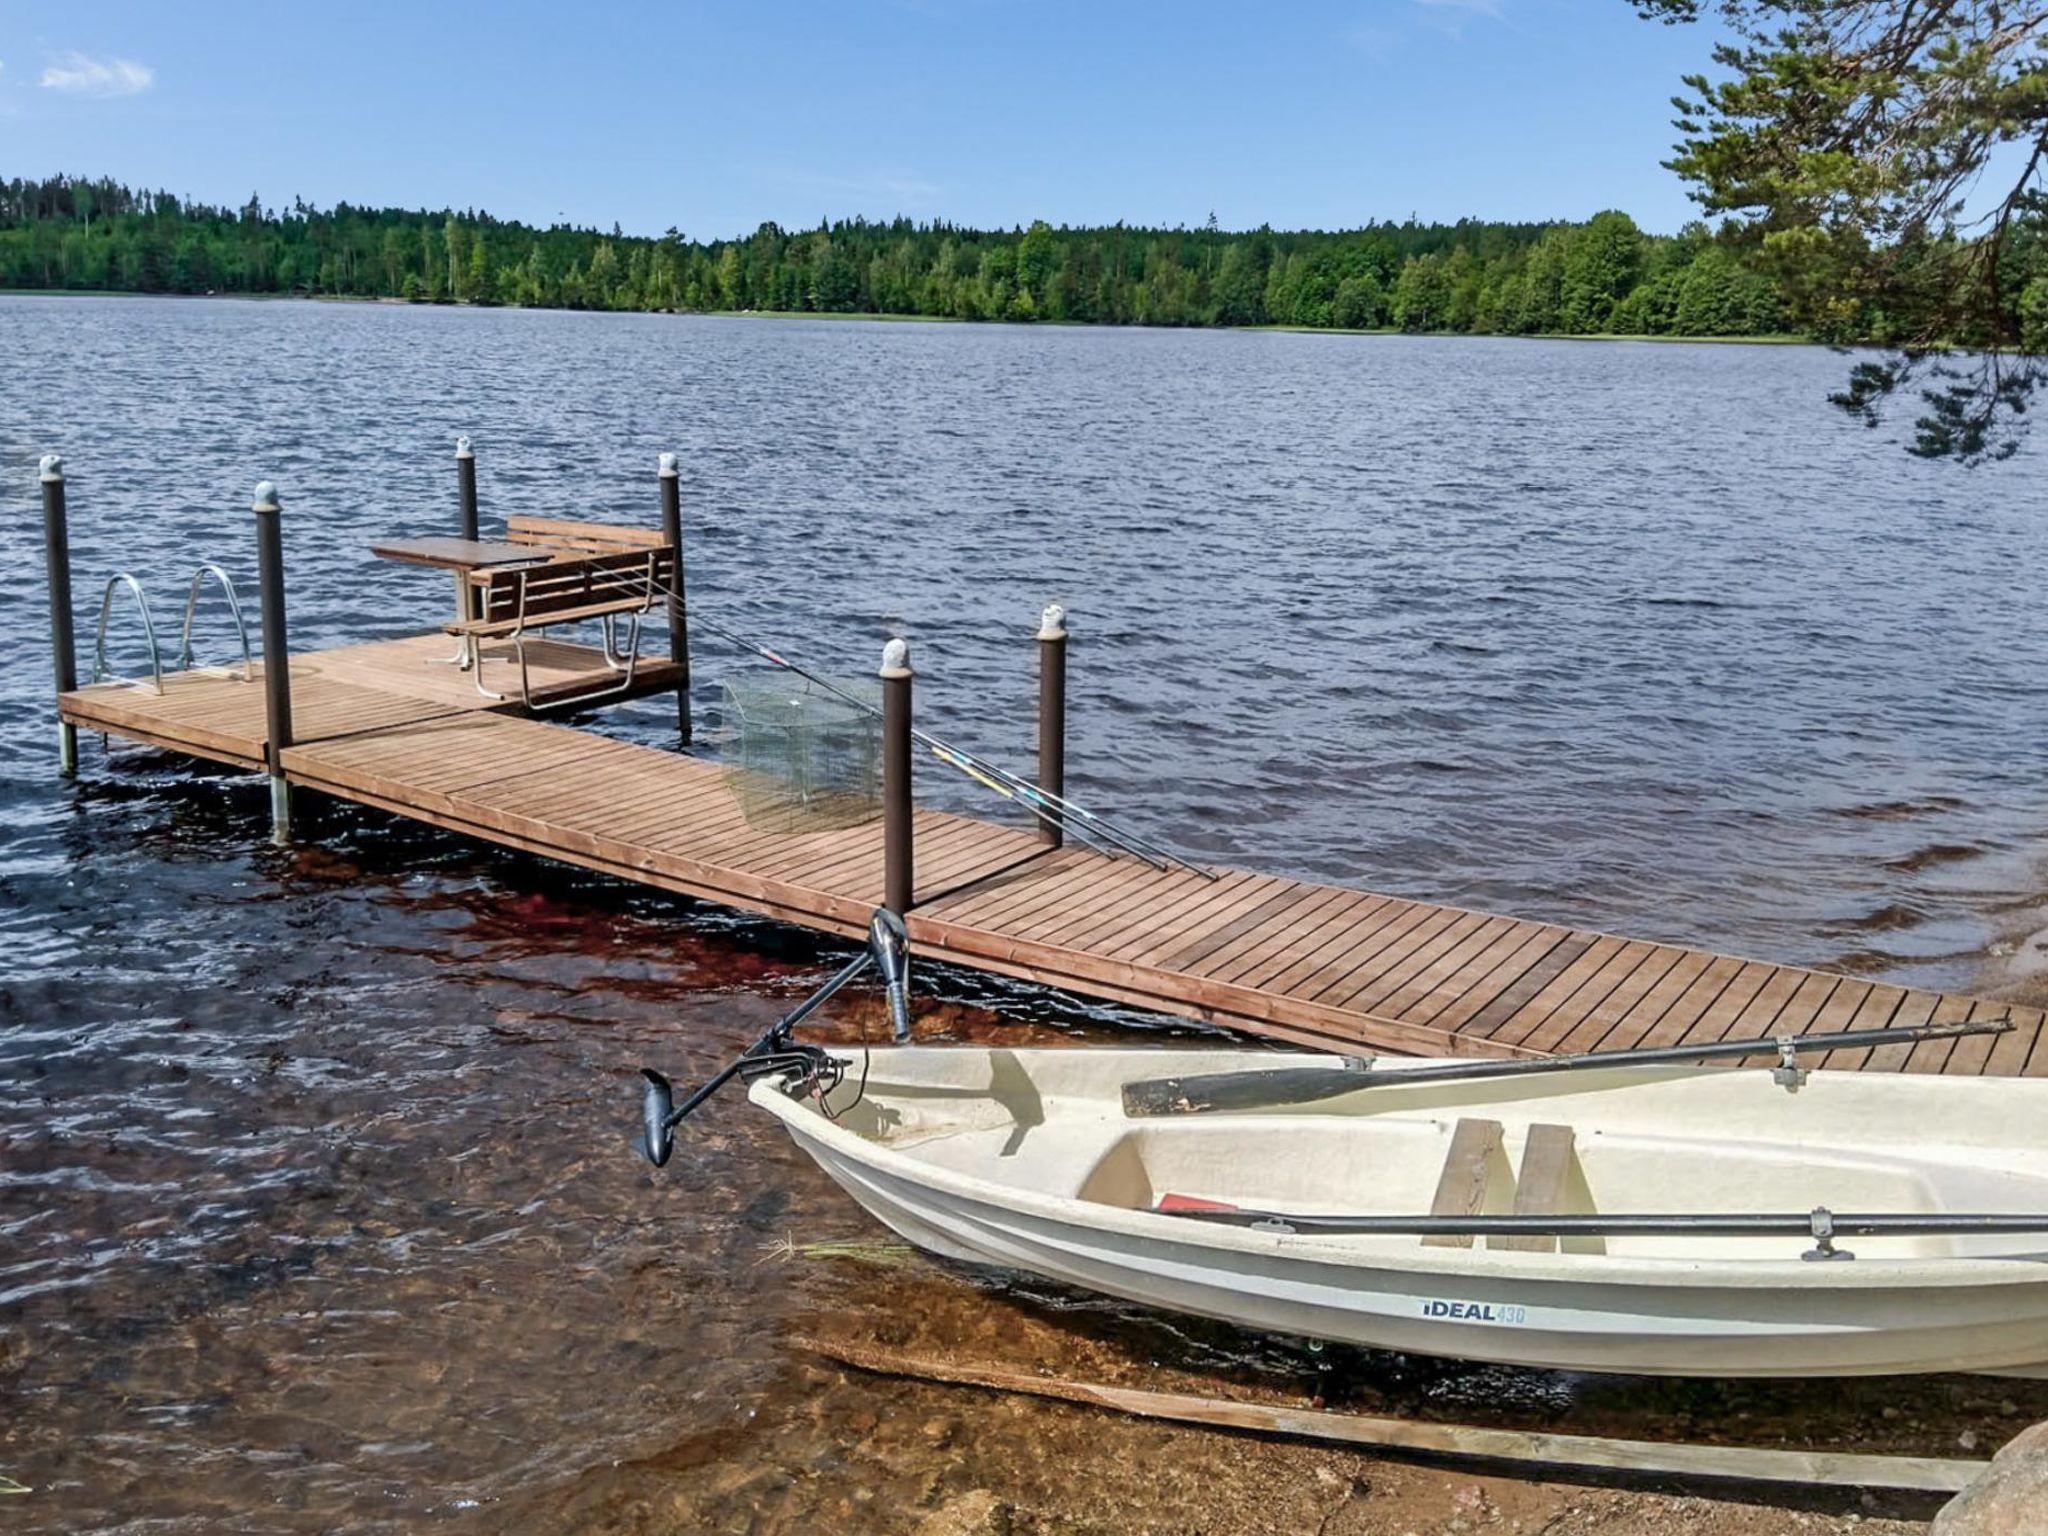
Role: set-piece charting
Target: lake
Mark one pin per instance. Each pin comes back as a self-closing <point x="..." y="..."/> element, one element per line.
<point x="314" y="1185"/>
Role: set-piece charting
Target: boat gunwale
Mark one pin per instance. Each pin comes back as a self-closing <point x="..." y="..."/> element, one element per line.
<point x="1361" y="1251"/>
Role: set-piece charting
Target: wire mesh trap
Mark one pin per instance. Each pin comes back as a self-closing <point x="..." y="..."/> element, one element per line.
<point x="801" y="760"/>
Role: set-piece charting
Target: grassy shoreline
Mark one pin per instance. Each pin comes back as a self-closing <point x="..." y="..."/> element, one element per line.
<point x="1768" y="340"/>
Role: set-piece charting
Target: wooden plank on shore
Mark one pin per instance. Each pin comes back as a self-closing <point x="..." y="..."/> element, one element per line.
<point x="1532" y="1448"/>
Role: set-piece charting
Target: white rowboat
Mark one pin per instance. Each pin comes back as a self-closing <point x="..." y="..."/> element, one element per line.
<point x="1025" y="1159"/>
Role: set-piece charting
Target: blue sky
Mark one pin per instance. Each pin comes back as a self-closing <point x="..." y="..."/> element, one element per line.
<point x="713" y="117"/>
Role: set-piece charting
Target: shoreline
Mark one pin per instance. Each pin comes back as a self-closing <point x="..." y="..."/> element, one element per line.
<point x="892" y="318"/>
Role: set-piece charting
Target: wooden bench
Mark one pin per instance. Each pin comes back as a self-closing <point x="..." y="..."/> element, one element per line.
<point x="1475" y="1177"/>
<point x="1475" y="1171"/>
<point x="505" y="603"/>
<point x="1549" y="1183"/>
<point x="565" y="538"/>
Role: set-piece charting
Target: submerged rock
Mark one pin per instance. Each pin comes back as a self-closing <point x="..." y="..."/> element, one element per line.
<point x="976" y="1513"/>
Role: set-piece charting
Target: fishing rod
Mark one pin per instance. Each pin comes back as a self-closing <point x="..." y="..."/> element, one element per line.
<point x="1053" y="809"/>
<point x="1274" y="1087"/>
<point x="1000" y="780"/>
<point x="888" y="952"/>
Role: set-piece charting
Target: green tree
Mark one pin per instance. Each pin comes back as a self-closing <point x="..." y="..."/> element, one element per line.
<point x="1883" y="157"/>
<point x="1600" y="269"/>
<point x="602" y="277"/>
<point x="1360" y="303"/>
<point x="458" y="264"/>
<point x="1037" y="258"/>
<point x="1422" y="294"/>
<point x="1239" y="292"/>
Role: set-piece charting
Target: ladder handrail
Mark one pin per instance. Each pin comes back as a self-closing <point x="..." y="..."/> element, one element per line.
<point x="101" y="672"/>
<point x="208" y="568"/>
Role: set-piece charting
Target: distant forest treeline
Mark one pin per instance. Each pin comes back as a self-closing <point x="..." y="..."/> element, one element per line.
<point x="1602" y="276"/>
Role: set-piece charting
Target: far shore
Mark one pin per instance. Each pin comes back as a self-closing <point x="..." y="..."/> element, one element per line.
<point x="1767" y="340"/>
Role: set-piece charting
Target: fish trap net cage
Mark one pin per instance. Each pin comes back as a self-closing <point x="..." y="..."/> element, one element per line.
<point x="801" y="760"/>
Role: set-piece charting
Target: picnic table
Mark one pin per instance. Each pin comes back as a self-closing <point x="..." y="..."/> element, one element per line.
<point x="461" y="556"/>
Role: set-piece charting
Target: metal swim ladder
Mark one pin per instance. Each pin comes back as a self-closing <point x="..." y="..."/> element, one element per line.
<point x="208" y="568"/>
<point x="101" y="672"/>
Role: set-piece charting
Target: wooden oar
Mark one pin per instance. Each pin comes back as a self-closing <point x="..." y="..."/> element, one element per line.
<point x="1276" y="1087"/>
<point x="1821" y="1224"/>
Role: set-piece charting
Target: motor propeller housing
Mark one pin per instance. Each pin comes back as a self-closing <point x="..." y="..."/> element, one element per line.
<point x="657" y="1105"/>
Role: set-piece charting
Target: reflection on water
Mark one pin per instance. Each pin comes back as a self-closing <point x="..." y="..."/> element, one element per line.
<point x="318" y="1207"/>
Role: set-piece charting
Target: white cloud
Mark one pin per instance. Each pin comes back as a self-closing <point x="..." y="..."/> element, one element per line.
<point x="80" y="74"/>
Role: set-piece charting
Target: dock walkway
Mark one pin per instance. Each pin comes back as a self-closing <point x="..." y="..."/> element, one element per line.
<point x="390" y="725"/>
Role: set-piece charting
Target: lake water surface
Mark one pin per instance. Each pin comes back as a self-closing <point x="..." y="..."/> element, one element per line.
<point x="315" y="1204"/>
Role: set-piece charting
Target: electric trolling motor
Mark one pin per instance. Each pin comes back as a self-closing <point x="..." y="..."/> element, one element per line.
<point x="888" y="952"/>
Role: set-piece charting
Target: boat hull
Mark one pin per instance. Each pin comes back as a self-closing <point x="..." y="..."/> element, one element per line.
<point x="1713" y="1317"/>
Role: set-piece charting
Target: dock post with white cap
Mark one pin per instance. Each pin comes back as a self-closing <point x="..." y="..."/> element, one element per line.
<point x="277" y="679"/>
<point x="465" y="479"/>
<point x="898" y="878"/>
<point x="678" y="612"/>
<point x="1052" y="718"/>
<point x="63" y="634"/>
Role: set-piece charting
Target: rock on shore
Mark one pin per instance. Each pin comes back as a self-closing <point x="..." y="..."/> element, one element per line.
<point x="2011" y="1499"/>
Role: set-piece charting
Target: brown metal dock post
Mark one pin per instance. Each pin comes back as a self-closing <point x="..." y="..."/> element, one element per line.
<point x="465" y="475"/>
<point x="678" y="612"/>
<point x="277" y="678"/>
<point x="898" y="881"/>
<point x="1052" y="717"/>
<point x="63" y="634"/>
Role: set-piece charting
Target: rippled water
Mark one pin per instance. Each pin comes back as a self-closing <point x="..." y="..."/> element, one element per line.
<point x="315" y="1210"/>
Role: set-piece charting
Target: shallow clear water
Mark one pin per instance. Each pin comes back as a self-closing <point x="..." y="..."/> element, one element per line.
<point x="315" y="1205"/>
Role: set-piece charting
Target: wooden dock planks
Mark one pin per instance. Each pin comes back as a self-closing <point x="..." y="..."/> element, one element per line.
<point x="391" y="725"/>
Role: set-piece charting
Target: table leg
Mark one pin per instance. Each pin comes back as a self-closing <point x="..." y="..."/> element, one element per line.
<point x="461" y="657"/>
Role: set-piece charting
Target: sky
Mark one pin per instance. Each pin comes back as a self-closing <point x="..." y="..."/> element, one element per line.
<point x="714" y="117"/>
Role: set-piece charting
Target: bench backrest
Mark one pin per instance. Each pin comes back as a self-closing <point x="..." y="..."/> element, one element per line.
<point x="568" y="538"/>
<point x="594" y="583"/>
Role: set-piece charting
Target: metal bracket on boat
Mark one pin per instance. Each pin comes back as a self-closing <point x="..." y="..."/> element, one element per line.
<point x="1277" y="1224"/>
<point x="1788" y="1073"/>
<point x="1824" y="1248"/>
<point x="887" y="951"/>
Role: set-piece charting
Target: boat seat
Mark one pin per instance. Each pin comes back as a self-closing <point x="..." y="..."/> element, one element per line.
<point x="1548" y="1180"/>
<point x="1474" y="1168"/>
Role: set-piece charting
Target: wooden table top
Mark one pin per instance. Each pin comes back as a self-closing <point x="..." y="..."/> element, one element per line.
<point x="456" y="554"/>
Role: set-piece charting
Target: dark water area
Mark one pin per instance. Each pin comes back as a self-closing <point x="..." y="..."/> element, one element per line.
<point x="316" y="1205"/>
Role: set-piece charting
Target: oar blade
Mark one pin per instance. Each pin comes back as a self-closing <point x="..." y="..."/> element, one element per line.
<point x="1274" y="1088"/>
<point x="657" y="1106"/>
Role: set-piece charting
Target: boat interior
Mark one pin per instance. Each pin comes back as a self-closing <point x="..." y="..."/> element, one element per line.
<point x="1615" y="1141"/>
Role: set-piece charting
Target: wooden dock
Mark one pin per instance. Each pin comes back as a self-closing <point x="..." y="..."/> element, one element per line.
<point x="392" y="725"/>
